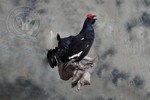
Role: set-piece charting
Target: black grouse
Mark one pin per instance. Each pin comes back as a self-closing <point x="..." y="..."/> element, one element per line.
<point x="81" y="43"/>
<point x="73" y="47"/>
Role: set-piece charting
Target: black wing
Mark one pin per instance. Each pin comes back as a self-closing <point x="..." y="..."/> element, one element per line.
<point x="78" y="48"/>
<point x="63" y="44"/>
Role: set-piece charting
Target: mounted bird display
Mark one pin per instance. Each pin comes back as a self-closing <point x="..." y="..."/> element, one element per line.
<point x="74" y="47"/>
<point x="81" y="43"/>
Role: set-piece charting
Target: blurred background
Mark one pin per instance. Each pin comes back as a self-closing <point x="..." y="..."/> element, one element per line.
<point x="122" y="45"/>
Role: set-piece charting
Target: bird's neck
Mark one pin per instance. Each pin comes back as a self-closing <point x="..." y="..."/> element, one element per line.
<point x="88" y="31"/>
<point x="87" y="27"/>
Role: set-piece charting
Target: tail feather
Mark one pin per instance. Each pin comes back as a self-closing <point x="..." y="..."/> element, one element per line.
<point x="58" y="37"/>
<point x="53" y="57"/>
<point x="53" y="41"/>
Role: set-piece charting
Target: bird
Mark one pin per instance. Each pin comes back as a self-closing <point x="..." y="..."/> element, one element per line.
<point x="81" y="43"/>
<point x="73" y="47"/>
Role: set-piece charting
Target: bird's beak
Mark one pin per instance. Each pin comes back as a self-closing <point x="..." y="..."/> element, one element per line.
<point x="94" y="17"/>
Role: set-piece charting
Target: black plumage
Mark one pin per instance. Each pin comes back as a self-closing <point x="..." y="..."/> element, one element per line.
<point x="63" y="44"/>
<point x="73" y="47"/>
<point x="81" y="43"/>
<point x="54" y="55"/>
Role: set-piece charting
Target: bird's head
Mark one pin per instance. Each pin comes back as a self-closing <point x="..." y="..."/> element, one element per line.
<point x="92" y="18"/>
